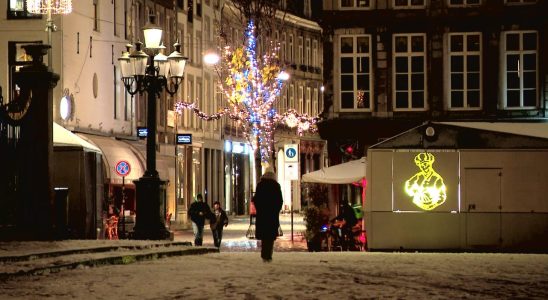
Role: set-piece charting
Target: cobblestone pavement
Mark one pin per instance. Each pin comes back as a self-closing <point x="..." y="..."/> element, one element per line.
<point x="235" y="240"/>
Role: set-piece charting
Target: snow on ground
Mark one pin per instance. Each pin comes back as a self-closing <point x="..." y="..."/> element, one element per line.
<point x="299" y="275"/>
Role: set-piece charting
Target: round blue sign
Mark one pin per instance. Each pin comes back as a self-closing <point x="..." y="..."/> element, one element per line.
<point x="123" y="168"/>
<point x="290" y="152"/>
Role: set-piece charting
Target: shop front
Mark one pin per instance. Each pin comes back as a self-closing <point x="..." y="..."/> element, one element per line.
<point x="239" y="175"/>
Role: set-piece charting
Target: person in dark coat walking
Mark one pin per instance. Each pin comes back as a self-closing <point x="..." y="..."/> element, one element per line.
<point x="199" y="211"/>
<point x="218" y="221"/>
<point x="268" y="203"/>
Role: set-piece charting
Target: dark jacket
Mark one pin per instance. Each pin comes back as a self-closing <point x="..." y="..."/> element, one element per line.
<point x="218" y="221"/>
<point x="194" y="211"/>
<point x="268" y="203"/>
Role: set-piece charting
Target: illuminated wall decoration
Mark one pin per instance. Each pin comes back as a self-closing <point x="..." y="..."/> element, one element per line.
<point x="426" y="187"/>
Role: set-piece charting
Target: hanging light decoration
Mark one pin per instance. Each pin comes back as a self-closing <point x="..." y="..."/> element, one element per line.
<point x="251" y="84"/>
<point x="43" y="7"/>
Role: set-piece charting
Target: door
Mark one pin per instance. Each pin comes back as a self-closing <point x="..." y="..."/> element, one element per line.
<point x="482" y="203"/>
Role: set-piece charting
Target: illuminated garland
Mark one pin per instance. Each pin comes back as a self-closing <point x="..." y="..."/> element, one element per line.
<point x="251" y="86"/>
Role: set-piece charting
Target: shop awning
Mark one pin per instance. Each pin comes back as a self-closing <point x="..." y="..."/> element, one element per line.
<point x="115" y="151"/>
<point x="65" y="138"/>
<point x="345" y="173"/>
<point x="164" y="162"/>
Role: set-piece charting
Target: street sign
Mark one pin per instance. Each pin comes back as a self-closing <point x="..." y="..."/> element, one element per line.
<point x="291" y="152"/>
<point x="292" y="171"/>
<point x="142" y="132"/>
<point x="184" y="139"/>
<point x="122" y="168"/>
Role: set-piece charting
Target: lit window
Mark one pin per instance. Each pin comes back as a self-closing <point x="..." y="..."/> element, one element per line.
<point x="17" y="9"/>
<point x="464" y="70"/>
<point x="355" y="72"/>
<point x="519" y="64"/>
<point x="409" y="71"/>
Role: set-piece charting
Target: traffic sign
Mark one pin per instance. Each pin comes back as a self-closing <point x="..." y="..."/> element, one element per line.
<point x="291" y="152"/>
<point x="122" y="168"/>
<point x="291" y="171"/>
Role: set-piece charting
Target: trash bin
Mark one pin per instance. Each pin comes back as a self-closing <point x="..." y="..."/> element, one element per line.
<point x="61" y="212"/>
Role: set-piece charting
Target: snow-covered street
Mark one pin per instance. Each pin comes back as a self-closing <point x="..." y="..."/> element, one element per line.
<point x="299" y="275"/>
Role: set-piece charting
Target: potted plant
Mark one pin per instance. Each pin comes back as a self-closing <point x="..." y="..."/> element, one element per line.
<point x="315" y="216"/>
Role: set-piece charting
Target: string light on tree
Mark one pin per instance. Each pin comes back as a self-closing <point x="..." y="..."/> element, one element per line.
<point x="251" y="85"/>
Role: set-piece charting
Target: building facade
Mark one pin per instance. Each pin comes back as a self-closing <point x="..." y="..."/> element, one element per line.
<point x="92" y="102"/>
<point x="394" y="64"/>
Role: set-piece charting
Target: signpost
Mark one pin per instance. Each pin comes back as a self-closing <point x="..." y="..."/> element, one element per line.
<point x="291" y="155"/>
<point x="123" y="168"/>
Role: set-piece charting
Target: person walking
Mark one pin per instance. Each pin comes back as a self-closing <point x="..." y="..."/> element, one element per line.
<point x="218" y="221"/>
<point x="268" y="203"/>
<point x="199" y="211"/>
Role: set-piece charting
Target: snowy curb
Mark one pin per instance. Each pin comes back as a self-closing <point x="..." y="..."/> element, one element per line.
<point x="112" y="260"/>
<point x="34" y="256"/>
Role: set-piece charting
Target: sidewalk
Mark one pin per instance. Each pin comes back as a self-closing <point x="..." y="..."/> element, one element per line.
<point x="235" y="240"/>
<point x="19" y="258"/>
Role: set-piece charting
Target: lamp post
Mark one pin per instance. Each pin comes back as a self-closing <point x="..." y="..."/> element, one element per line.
<point x="141" y="73"/>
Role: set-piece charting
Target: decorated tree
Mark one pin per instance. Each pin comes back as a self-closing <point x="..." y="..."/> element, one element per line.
<point x="251" y="85"/>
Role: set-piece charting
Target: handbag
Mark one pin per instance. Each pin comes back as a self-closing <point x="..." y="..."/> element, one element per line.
<point x="250" y="232"/>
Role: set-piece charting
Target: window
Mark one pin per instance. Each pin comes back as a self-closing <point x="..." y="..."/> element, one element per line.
<point x="308" y="109"/>
<point x="96" y="15"/>
<point x="315" y="103"/>
<point x="290" y="51"/>
<point x="17" y="9"/>
<point x="114" y="18"/>
<point x="464" y="70"/>
<point x="408" y="76"/>
<point x="292" y="96"/>
<point x="307" y="55"/>
<point x="300" y="53"/>
<point x="510" y="2"/>
<point x="408" y="4"/>
<point x="315" y="53"/>
<point x="519" y="65"/>
<point x="301" y="100"/>
<point x="463" y="3"/>
<point x="355" y="72"/>
<point x="283" y="50"/>
<point x="355" y="4"/>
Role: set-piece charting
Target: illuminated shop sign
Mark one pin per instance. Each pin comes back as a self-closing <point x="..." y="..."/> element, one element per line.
<point x="142" y="132"/>
<point x="236" y="147"/>
<point x="184" y="139"/>
<point x="426" y="187"/>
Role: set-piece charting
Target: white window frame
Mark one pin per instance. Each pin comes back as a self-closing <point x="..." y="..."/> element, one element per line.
<point x="356" y="5"/>
<point x="292" y="96"/>
<point x="408" y="6"/>
<point x="355" y="56"/>
<point x="465" y="4"/>
<point x="315" y="102"/>
<point x="521" y="2"/>
<point x="503" y="73"/>
<point x="409" y="55"/>
<point x="315" y="53"/>
<point x="307" y="54"/>
<point x="464" y="53"/>
<point x="301" y="100"/>
<point x="290" y="52"/>
<point x="300" y="52"/>
<point x="308" y="103"/>
<point x="283" y="48"/>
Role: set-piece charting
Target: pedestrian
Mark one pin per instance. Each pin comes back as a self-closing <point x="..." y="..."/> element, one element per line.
<point x="199" y="211"/>
<point x="268" y="203"/>
<point x="218" y="221"/>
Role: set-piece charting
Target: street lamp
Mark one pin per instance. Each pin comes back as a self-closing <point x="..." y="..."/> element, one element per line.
<point x="141" y="73"/>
